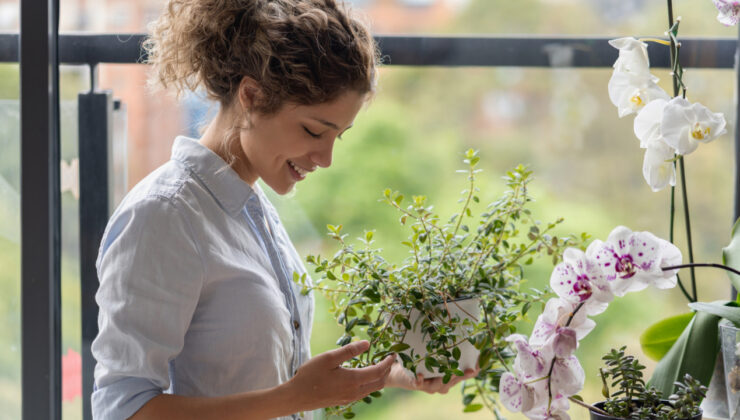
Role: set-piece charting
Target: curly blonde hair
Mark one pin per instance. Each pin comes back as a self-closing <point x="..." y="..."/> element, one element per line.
<point x="302" y="51"/>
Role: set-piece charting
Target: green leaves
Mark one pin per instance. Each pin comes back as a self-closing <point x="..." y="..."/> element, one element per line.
<point x="659" y="337"/>
<point x="471" y="254"/>
<point x="731" y="255"/>
<point x="695" y="353"/>
<point x="471" y="408"/>
<point x="723" y="309"/>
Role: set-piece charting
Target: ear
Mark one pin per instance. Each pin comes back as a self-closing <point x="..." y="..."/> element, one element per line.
<point x="249" y="92"/>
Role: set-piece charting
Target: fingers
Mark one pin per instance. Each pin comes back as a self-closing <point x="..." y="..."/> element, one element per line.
<point x="436" y="385"/>
<point x="338" y="356"/>
<point x="375" y="372"/>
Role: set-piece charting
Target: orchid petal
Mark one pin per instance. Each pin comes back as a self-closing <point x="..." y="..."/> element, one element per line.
<point x="567" y="376"/>
<point x="565" y="342"/>
<point x="633" y="56"/>
<point x="514" y="395"/>
<point x="684" y="125"/>
<point x="729" y="11"/>
<point x="657" y="167"/>
<point x="557" y="312"/>
<point x="647" y="122"/>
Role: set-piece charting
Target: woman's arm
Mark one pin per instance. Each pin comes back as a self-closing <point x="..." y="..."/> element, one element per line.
<point x="320" y="382"/>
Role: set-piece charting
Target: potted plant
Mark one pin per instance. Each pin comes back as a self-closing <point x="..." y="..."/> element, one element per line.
<point x="456" y="296"/>
<point x="633" y="400"/>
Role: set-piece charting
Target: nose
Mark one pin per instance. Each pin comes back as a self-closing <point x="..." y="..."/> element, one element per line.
<point x="323" y="154"/>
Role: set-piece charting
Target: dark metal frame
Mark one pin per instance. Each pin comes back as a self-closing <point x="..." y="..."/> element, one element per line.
<point x="424" y="51"/>
<point x="40" y="211"/>
<point x="40" y="55"/>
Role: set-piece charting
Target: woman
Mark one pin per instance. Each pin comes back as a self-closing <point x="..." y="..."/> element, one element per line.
<point x="199" y="317"/>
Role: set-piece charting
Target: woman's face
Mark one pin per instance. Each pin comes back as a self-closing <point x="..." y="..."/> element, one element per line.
<point x="285" y="147"/>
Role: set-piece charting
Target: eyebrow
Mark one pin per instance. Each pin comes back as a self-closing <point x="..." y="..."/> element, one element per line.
<point x="331" y="124"/>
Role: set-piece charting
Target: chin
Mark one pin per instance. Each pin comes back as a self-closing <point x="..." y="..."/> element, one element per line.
<point x="282" y="189"/>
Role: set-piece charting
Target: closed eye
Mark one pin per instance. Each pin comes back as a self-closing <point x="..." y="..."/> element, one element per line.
<point x="314" y="135"/>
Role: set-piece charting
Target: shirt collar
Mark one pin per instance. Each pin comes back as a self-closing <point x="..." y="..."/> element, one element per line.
<point x="230" y="191"/>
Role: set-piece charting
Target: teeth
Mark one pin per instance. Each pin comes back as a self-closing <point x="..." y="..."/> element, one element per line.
<point x="301" y="171"/>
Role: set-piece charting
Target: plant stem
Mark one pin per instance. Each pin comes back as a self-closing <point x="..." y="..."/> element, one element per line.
<point x="552" y="365"/>
<point x="675" y="66"/>
<point x="687" y="221"/>
<point x="670" y="233"/>
<point x="692" y="265"/>
<point x="589" y="406"/>
<point x="673" y="47"/>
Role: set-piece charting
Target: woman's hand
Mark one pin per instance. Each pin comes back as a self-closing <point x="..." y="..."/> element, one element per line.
<point x="401" y="378"/>
<point x="323" y="382"/>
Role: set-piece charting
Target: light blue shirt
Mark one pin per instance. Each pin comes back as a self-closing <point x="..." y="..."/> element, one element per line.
<point x="196" y="294"/>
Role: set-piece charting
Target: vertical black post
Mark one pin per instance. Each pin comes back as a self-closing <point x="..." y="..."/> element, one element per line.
<point x="40" y="211"/>
<point x="95" y="110"/>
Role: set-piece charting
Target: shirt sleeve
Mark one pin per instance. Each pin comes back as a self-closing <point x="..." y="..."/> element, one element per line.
<point x="151" y="274"/>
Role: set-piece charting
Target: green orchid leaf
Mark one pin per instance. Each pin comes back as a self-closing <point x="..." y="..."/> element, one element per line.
<point x="727" y="310"/>
<point x="731" y="255"/>
<point x="472" y="408"/>
<point x="659" y="337"/>
<point x="695" y="353"/>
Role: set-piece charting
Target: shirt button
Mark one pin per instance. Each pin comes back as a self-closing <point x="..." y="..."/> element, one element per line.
<point x="296" y="324"/>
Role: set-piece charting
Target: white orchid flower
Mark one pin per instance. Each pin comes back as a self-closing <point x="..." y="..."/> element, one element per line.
<point x="579" y="279"/>
<point x="567" y="376"/>
<point x="530" y="362"/>
<point x="684" y="125"/>
<point x="633" y="56"/>
<point x="633" y="260"/>
<point x="647" y="123"/>
<point x="557" y="409"/>
<point x="631" y="92"/>
<point x="556" y="314"/>
<point x="515" y="395"/>
<point x="657" y="167"/>
<point x="564" y="342"/>
<point x="729" y="11"/>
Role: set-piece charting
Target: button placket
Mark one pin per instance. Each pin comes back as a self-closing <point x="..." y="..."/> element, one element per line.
<point x="279" y="267"/>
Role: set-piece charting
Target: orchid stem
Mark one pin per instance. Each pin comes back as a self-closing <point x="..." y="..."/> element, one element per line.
<point x="589" y="406"/>
<point x="692" y="265"/>
<point x="675" y="66"/>
<point x="687" y="221"/>
<point x="552" y="365"/>
<point x="670" y="233"/>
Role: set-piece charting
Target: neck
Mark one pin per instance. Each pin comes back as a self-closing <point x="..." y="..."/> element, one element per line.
<point x="222" y="137"/>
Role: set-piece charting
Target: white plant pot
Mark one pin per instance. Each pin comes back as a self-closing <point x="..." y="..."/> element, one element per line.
<point x="463" y="308"/>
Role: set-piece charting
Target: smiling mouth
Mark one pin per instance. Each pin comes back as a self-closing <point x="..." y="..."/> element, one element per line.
<point x="302" y="172"/>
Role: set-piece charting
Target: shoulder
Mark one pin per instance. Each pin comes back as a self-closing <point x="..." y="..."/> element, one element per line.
<point x="158" y="209"/>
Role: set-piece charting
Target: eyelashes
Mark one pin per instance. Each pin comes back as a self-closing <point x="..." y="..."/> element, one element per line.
<point x="314" y="135"/>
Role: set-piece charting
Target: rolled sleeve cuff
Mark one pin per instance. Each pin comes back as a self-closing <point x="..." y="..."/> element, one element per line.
<point x="122" y="399"/>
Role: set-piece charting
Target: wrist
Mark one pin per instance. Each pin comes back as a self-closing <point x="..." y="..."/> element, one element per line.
<point x="289" y="395"/>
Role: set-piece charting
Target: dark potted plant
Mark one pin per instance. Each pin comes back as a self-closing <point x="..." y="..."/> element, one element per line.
<point x="633" y="400"/>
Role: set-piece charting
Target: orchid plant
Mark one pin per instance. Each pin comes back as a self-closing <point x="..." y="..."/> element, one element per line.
<point x="546" y="375"/>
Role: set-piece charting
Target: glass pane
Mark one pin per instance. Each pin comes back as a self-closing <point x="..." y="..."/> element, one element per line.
<point x="10" y="240"/>
<point x="586" y="160"/>
<point x="73" y="80"/>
